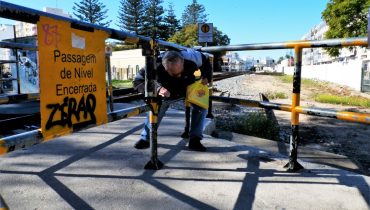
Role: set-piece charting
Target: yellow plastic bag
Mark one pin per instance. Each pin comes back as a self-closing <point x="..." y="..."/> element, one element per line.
<point x="198" y="94"/>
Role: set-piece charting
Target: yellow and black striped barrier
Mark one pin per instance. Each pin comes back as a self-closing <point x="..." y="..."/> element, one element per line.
<point x="28" y="15"/>
<point x="15" y="12"/>
<point x="27" y="139"/>
<point x="320" y="112"/>
<point x="295" y="108"/>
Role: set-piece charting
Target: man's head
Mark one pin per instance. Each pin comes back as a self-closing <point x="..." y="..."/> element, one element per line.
<point x="173" y="63"/>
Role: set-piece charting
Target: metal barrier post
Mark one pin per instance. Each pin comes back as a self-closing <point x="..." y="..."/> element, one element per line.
<point x="17" y="63"/>
<point x="209" y="114"/>
<point x="151" y="98"/>
<point x="110" y="89"/>
<point x="185" y="135"/>
<point x="293" y="164"/>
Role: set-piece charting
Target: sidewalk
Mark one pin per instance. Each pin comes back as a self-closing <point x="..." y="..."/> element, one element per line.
<point x="98" y="168"/>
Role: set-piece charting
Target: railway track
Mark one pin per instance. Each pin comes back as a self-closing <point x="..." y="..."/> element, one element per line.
<point x="13" y="123"/>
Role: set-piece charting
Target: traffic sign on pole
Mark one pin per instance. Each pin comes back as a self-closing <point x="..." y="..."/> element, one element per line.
<point x="205" y="32"/>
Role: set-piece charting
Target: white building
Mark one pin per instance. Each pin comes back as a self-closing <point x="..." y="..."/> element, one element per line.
<point x="23" y="29"/>
<point x="232" y="62"/>
<point x="249" y="62"/>
<point x="350" y="68"/>
<point x="28" y="29"/>
<point x="126" y="63"/>
<point x="267" y="61"/>
<point x="317" y="56"/>
<point x="6" y="31"/>
<point x="6" y="55"/>
<point x="56" y="11"/>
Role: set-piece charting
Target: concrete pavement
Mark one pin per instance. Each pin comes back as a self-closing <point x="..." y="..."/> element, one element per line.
<point x="98" y="168"/>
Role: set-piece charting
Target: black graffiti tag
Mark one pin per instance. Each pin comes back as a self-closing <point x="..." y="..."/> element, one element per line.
<point x="62" y="114"/>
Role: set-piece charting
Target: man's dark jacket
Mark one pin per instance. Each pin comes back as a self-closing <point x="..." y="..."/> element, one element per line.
<point x="177" y="86"/>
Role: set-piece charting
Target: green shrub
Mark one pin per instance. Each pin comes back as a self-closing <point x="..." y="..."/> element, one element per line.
<point x="275" y="95"/>
<point x="253" y="124"/>
<point x="286" y="78"/>
<point x="343" y="100"/>
<point x="122" y="83"/>
<point x="304" y="81"/>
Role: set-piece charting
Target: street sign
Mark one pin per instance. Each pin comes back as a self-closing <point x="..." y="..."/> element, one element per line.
<point x="205" y="32"/>
<point x="72" y="77"/>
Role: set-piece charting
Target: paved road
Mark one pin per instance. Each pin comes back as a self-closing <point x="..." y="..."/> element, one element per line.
<point x="99" y="169"/>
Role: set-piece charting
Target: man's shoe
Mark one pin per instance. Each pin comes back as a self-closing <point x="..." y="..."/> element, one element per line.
<point x="185" y="135"/>
<point x="194" y="144"/>
<point x="142" y="144"/>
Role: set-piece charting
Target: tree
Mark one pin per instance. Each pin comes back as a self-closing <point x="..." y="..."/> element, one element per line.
<point x="345" y="18"/>
<point x="194" y="13"/>
<point x="154" y="19"/>
<point x="91" y="11"/>
<point x="188" y="36"/>
<point x="131" y="16"/>
<point x="171" y="23"/>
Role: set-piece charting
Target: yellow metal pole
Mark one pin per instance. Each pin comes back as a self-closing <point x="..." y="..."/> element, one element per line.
<point x="152" y="99"/>
<point x="293" y="164"/>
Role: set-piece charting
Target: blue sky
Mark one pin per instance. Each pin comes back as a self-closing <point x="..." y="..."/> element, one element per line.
<point x="244" y="21"/>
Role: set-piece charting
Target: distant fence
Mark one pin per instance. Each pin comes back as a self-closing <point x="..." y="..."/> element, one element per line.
<point x="128" y="73"/>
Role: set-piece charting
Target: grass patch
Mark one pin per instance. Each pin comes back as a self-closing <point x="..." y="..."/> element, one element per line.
<point x="326" y="94"/>
<point x="286" y="78"/>
<point x="253" y="124"/>
<point x="275" y="95"/>
<point x="343" y="100"/>
<point x="122" y="83"/>
<point x="304" y="81"/>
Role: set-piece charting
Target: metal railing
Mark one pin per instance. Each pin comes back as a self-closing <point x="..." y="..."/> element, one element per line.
<point x="15" y="12"/>
<point x="295" y="108"/>
<point x="150" y="51"/>
<point x="24" y="14"/>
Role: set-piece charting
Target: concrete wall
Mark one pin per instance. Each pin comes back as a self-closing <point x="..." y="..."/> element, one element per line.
<point x="127" y="60"/>
<point x="342" y="73"/>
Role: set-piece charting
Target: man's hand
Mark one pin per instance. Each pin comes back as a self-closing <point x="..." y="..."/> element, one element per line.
<point x="204" y="81"/>
<point x="164" y="92"/>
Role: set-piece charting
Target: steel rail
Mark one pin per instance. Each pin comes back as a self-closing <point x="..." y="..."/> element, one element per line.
<point x="358" y="41"/>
